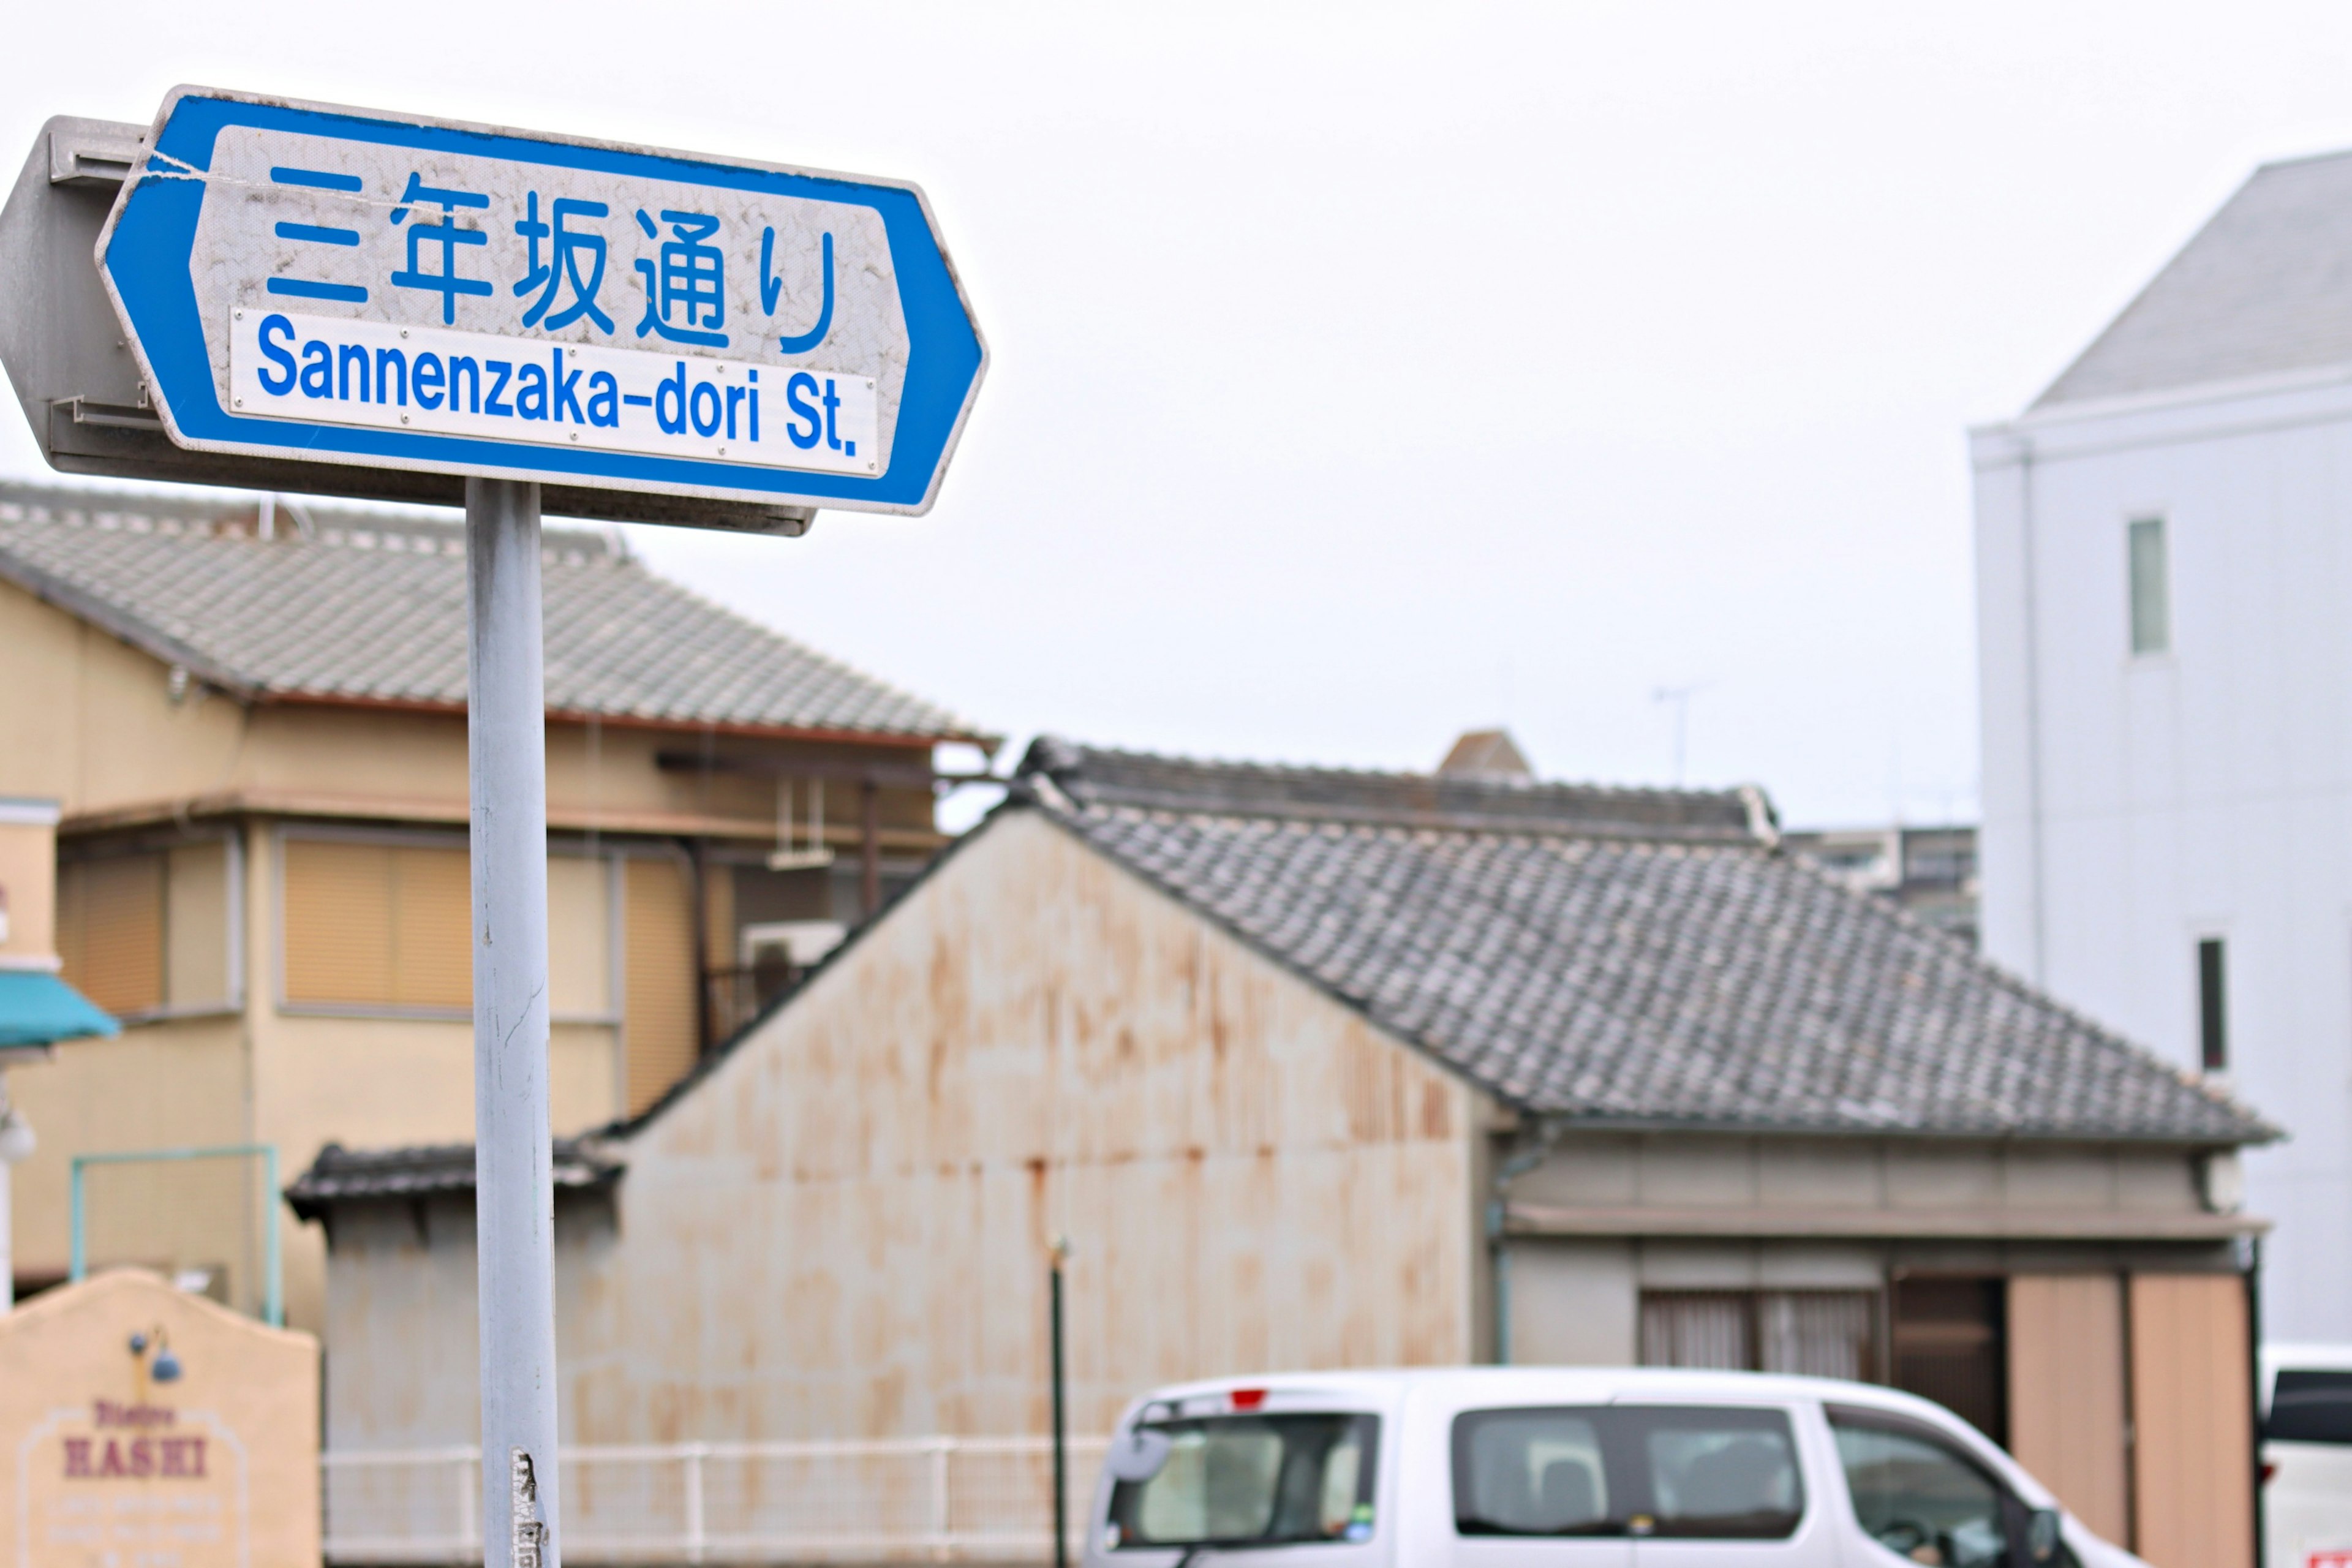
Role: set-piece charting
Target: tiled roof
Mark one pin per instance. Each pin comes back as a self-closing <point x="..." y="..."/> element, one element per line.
<point x="2265" y="288"/>
<point x="345" y="1175"/>
<point x="1609" y="976"/>
<point x="371" y="606"/>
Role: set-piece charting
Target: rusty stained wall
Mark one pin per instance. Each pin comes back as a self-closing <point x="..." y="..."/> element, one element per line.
<point x="844" y="1230"/>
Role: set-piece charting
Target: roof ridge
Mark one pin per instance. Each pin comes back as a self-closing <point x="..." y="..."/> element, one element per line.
<point x="331" y="524"/>
<point x="1452" y="781"/>
<point x="2294" y="159"/>
<point x="1104" y="778"/>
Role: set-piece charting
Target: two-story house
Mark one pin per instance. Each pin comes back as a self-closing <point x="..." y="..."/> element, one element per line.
<point x="252" y="717"/>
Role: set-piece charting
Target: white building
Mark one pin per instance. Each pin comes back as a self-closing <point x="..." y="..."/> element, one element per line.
<point x="2164" y="570"/>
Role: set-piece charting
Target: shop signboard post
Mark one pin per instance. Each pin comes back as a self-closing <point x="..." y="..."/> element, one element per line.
<point x="308" y="289"/>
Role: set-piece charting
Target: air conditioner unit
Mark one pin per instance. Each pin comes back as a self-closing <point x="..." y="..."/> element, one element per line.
<point x="802" y="943"/>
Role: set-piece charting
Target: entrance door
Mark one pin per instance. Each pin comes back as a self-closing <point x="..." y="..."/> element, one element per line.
<point x="1949" y="1347"/>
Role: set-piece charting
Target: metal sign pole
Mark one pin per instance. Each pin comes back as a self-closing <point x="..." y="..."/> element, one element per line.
<point x="514" y="1204"/>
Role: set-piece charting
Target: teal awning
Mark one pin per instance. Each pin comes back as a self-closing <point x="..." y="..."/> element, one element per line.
<point x="36" y="1007"/>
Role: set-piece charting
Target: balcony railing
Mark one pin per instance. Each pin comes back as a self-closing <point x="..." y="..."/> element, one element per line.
<point x="910" y="1499"/>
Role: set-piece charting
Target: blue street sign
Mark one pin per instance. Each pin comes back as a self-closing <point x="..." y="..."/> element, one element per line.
<point x="339" y="286"/>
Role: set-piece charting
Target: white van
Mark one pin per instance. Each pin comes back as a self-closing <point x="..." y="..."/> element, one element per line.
<point x="2308" y="1455"/>
<point x="1542" y="1468"/>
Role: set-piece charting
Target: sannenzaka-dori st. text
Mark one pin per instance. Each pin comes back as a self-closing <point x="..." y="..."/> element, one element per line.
<point x="530" y="389"/>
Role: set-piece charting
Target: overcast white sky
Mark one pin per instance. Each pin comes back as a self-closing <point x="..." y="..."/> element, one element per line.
<point x="1362" y="374"/>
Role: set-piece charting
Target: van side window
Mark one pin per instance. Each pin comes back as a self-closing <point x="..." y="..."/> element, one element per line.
<point x="1727" y="1474"/>
<point x="1692" y="1472"/>
<point x="1918" y="1498"/>
<point x="2311" y="1407"/>
<point x="1530" y="1472"/>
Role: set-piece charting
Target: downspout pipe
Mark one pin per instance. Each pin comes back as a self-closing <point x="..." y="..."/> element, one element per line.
<point x="1533" y="1147"/>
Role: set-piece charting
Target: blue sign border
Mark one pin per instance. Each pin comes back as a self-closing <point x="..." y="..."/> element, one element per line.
<point x="144" y="253"/>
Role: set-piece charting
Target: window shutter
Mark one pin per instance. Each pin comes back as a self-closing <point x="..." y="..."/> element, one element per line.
<point x="659" y="1011"/>
<point x="337" y="921"/>
<point x="432" y="950"/>
<point x="111" y="931"/>
<point x="579" y="937"/>
<point x="378" y="925"/>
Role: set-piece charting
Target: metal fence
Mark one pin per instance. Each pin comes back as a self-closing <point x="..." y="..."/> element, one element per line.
<point x="909" y="1499"/>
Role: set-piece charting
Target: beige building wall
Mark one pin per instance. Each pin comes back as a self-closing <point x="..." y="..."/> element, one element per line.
<point x="90" y="722"/>
<point x="168" y="1085"/>
<point x="28" y="866"/>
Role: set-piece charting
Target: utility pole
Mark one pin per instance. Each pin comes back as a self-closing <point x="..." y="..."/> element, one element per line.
<point x="1061" y="1255"/>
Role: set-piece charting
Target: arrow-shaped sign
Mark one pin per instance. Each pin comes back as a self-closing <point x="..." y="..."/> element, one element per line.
<point x="339" y="286"/>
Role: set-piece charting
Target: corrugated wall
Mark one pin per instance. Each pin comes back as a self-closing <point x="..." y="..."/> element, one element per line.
<point x="844" y="1230"/>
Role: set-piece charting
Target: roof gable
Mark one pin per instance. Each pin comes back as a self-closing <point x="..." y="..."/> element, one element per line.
<point x="2263" y="289"/>
<point x="370" y="608"/>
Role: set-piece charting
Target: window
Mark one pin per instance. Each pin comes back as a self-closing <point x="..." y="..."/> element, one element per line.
<point x="1918" y="1498"/>
<point x="1531" y="1472"/>
<point x="151" y="933"/>
<point x="2212" y="1006"/>
<point x="1823" y="1334"/>
<point x="1253" y="1479"/>
<point x="1695" y="1472"/>
<point x="383" y="924"/>
<point x="2151" y="612"/>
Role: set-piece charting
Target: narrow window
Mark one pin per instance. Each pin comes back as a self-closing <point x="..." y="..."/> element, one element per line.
<point x="2212" y="1011"/>
<point x="2151" y="616"/>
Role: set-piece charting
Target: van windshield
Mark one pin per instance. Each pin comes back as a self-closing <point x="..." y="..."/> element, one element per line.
<point x="1257" y="1480"/>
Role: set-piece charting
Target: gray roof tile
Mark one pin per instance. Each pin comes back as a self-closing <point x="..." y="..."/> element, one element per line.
<point x="1581" y="969"/>
<point x="371" y="606"/>
<point x="430" y="1170"/>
